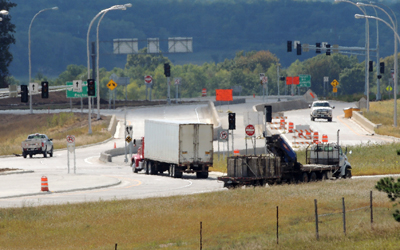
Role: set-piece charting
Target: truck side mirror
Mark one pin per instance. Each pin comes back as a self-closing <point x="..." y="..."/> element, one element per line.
<point x="333" y="107"/>
<point x="309" y="106"/>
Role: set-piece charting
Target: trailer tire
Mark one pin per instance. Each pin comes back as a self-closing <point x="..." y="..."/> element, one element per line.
<point x="324" y="176"/>
<point x="177" y="174"/>
<point x="146" y="167"/>
<point x="304" y="178"/>
<point x="313" y="177"/>
<point x="152" y="168"/>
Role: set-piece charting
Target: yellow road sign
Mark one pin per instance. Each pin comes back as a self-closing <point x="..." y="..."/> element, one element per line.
<point x="112" y="85"/>
<point x="389" y="88"/>
<point x="334" y="90"/>
<point x="334" y="83"/>
<point x="128" y="139"/>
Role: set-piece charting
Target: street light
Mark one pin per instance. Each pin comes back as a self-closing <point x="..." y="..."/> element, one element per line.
<point x="88" y="58"/>
<point x="4" y="13"/>
<point x="29" y="49"/>
<point x="366" y="47"/>
<point x="116" y="7"/>
<point x="358" y="16"/>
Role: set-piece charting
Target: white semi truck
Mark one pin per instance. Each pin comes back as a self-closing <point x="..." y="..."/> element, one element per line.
<point x="175" y="147"/>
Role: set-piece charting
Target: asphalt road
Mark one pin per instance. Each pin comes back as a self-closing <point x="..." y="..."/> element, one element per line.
<point x="95" y="180"/>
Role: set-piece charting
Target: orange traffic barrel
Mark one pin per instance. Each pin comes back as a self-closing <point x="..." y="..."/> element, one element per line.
<point x="324" y="138"/>
<point x="316" y="137"/>
<point x="291" y="126"/>
<point x="282" y="124"/>
<point x="236" y="152"/>
<point x="45" y="185"/>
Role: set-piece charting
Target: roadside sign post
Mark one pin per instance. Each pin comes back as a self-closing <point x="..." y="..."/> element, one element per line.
<point x="71" y="148"/>
<point x="326" y="80"/>
<point x="250" y="130"/>
<point x="223" y="137"/>
<point x="177" y="81"/>
<point x="148" y="81"/>
<point x="128" y="139"/>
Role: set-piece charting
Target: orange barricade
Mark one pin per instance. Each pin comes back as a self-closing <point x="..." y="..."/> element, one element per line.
<point x="282" y="125"/>
<point x="316" y="137"/>
<point x="291" y="126"/>
<point x="45" y="185"/>
<point x="325" y="138"/>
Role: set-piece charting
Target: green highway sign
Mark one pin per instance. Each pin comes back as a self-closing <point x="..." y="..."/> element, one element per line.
<point x="72" y="94"/>
<point x="305" y="81"/>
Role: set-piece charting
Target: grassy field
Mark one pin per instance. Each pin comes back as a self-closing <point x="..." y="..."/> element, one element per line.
<point x="234" y="219"/>
<point x="382" y="113"/>
<point x="16" y="128"/>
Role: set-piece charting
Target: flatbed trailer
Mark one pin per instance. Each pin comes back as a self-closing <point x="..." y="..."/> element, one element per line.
<point x="324" y="161"/>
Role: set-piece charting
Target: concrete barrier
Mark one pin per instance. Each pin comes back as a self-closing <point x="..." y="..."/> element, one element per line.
<point x="284" y="106"/>
<point x="107" y="155"/>
<point x="113" y="125"/>
<point x="364" y="122"/>
<point x="215" y="119"/>
<point x="235" y="101"/>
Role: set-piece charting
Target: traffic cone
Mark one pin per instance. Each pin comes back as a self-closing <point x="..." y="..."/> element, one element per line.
<point x="45" y="185"/>
<point x="115" y="145"/>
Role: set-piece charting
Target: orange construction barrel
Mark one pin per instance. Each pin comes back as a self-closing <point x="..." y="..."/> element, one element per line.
<point x="45" y="185"/>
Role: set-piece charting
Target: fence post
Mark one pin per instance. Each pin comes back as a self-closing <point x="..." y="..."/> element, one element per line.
<point x="116" y="246"/>
<point x="201" y="235"/>
<point x="316" y="218"/>
<point x="277" y="225"/>
<point x="370" y="206"/>
<point x="344" y="216"/>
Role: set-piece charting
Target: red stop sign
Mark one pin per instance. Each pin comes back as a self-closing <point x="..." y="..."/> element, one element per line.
<point x="250" y="130"/>
<point x="148" y="79"/>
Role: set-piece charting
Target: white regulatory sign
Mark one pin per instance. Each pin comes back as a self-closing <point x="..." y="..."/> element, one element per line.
<point x="33" y="87"/>
<point x="70" y="138"/>
<point x="223" y="135"/>
<point x="77" y="85"/>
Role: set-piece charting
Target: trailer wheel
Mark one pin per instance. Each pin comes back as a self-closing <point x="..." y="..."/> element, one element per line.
<point x="146" y="167"/>
<point x="177" y="173"/>
<point x="152" y="168"/>
<point x="304" y="178"/>
<point x="324" y="176"/>
<point x="313" y="177"/>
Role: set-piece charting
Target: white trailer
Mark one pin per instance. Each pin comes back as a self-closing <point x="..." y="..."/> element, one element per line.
<point x="176" y="147"/>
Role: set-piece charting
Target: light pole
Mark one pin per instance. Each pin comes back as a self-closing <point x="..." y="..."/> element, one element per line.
<point x="88" y="61"/>
<point x="366" y="48"/>
<point x="358" y="16"/>
<point x="4" y="13"/>
<point x="116" y="7"/>
<point x="29" y="51"/>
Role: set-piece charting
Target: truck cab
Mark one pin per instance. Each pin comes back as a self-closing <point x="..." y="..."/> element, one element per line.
<point x="329" y="154"/>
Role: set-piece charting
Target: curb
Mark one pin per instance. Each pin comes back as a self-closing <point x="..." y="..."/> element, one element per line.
<point x="61" y="191"/>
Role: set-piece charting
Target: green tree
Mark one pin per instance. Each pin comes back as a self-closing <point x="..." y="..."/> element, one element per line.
<point x="6" y="39"/>
<point x="392" y="188"/>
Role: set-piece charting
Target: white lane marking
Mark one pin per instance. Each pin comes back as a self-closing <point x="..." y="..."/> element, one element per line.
<point x="188" y="185"/>
<point x="87" y="160"/>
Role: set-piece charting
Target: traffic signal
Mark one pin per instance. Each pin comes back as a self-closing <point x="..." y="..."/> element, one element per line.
<point x="371" y="66"/>
<point x="382" y="68"/>
<point x="24" y="93"/>
<point x="268" y="113"/>
<point x="289" y="46"/>
<point x="318" y="46"/>
<point x="91" y="88"/>
<point x="282" y="78"/>
<point x="298" y="48"/>
<point x="232" y="121"/>
<point x="45" y="90"/>
<point x="167" y="70"/>
<point x="328" y="49"/>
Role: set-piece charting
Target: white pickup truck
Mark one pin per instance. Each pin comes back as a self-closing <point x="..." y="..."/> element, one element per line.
<point x="37" y="144"/>
<point x="322" y="110"/>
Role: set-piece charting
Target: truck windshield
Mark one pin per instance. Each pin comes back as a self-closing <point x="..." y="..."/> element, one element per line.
<point x="321" y="104"/>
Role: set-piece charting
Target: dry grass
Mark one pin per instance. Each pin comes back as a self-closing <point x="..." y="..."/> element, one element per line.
<point x="383" y="113"/>
<point x="236" y="219"/>
<point x="56" y="126"/>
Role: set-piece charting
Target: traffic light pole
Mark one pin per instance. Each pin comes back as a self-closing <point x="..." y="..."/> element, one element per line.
<point x="169" y="91"/>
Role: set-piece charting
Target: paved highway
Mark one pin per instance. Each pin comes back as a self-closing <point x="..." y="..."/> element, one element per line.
<point x="117" y="179"/>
